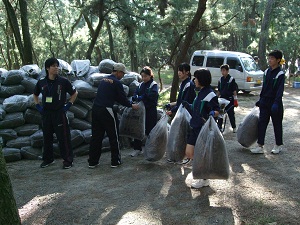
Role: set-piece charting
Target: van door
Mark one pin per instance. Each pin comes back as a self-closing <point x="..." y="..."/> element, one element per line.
<point x="213" y="64"/>
<point x="236" y="71"/>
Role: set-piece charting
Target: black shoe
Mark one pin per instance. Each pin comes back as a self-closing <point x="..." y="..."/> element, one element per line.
<point x="67" y="165"/>
<point x="114" y="165"/>
<point x="45" y="164"/>
<point x="93" y="165"/>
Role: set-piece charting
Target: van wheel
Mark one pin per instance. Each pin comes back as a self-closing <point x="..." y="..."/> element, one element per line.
<point x="246" y="92"/>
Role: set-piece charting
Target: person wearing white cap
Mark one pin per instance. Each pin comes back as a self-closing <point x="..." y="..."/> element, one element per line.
<point x="104" y="119"/>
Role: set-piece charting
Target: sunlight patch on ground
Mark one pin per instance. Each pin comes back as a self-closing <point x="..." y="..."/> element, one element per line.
<point x="143" y="215"/>
<point x="164" y="191"/>
<point x="36" y="203"/>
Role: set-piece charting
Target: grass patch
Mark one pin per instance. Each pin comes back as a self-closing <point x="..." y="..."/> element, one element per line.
<point x="166" y="76"/>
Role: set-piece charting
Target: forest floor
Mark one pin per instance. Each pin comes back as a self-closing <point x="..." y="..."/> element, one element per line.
<point x="262" y="189"/>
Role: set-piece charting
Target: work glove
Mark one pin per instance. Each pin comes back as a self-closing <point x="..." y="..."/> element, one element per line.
<point x="235" y="101"/>
<point x="135" y="98"/>
<point x="67" y="106"/>
<point x="257" y="103"/>
<point x="274" y="108"/>
<point x="168" y="106"/>
<point x="212" y="113"/>
<point x="39" y="108"/>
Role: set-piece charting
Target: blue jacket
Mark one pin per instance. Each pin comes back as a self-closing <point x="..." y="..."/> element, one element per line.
<point x="205" y="101"/>
<point x="148" y="93"/>
<point x="226" y="86"/>
<point x="110" y="90"/>
<point x="273" y="85"/>
<point x="186" y="93"/>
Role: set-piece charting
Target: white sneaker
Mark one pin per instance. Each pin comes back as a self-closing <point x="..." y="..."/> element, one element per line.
<point x="184" y="161"/>
<point x="135" y="153"/>
<point x="234" y="130"/>
<point x="199" y="183"/>
<point x="276" y="149"/>
<point x="257" y="150"/>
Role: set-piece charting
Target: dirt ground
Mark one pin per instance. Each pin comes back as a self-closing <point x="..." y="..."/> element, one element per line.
<point x="262" y="189"/>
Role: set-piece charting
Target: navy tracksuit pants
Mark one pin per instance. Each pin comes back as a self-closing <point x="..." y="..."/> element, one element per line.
<point x="264" y="119"/>
<point x="104" y="120"/>
<point x="56" y="122"/>
<point x="151" y="119"/>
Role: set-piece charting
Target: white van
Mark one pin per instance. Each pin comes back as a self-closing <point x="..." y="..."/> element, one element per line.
<point x="243" y="68"/>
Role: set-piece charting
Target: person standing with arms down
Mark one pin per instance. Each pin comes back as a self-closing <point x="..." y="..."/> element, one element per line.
<point x="54" y="89"/>
<point x="227" y="88"/>
<point x="204" y="105"/>
<point x="104" y="119"/>
<point x="186" y="93"/>
<point x="148" y="93"/>
<point x="270" y="103"/>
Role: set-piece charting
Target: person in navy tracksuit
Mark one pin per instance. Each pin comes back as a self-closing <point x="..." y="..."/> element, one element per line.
<point x="227" y="88"/>
<point x="204" y="105"/>
<point x="186" y="90"/>
<point x="270" y="103"/>
<point x="54" y="89"/>
<point x="148" y="93"/>
<point x="104" y="119"/>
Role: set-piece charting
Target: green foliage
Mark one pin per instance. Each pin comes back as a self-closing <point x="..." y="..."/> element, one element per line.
<point x="228" y="25"/>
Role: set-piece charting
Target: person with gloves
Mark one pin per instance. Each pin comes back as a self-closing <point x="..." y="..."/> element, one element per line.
<point x="204" y="105"/>
<point x="270" y="103"/>
<point x="227" y="89"/>
<point x="54" y="89"/>
<point x="147" y="92"/>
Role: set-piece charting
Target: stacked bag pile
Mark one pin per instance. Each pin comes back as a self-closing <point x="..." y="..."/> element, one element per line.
<point x="20" y="122"/>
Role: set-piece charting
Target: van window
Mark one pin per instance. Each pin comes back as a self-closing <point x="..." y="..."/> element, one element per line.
<point x="234" y="63"/>
<point x="249" y="64"/>
<point x="198" y="60"/>
<point x="213" y="61"/>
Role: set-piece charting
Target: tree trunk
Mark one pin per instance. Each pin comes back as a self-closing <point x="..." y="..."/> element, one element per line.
<point x="13" y="22"/>
<point x="132" y="48"/>
<point x="111" y="41"/>
<point x="262" y="45"/>
<point x="26" y="34"/>
<point x="96" y="33"/>
<point x="8" y="209"/>
<point x="191" y="29"/>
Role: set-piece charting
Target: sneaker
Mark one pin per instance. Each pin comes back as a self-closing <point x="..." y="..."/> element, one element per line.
<point x="184" y="161"/>
<point x="135" y="153"/>
<point x="234" y="130"/>
<point x="46" y="164"/>
<point x="199" y="183"/>
<point x="93" y="165"/>
<point x="257" y="150"/>
<point x="67" y="165"/>
<point x="114" y="165"/>
<point x="276" y="149"/>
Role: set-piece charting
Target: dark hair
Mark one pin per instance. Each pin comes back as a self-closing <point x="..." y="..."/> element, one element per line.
<point x="276" y="53"/>
<point x="147" y="70"/>
<point x="203" y="76"/>
<point x="185" y="67"/>
<point x="225" y="66"/>
<point x="49" y="62"/>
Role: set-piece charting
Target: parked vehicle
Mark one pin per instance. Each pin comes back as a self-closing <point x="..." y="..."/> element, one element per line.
<point x="243" y="68"/>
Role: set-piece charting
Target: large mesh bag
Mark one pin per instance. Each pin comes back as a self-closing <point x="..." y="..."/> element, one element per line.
<point x="16" y="103"/>
<point x="80" y="67"/>
<point x="12" y="120"/>
<point x="12" y="77"/>
<point x="106" y="66"/>
<point x="95" y="78"/>
<point x="178" y="135"/>
<point x="29" y="84"/>
<point x="210" y="154"/>
<point x="132" y="122"/>
<point x="79" y="124"/>
<point x="79" y="111"/>
<point x="31" y="70"/>
<point x="10" y="90"/>
<point x="18" y="142"/>
<point x="248" y="129"/>
<point x="29" y="152"/>
<point x="2" y="112"/>
<point x="156" y="142"/>
<point x="11" y="154"/>
<point x="85" y="90"/>
<point x="128" y="79"/>
<point x="27" y="129"/>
